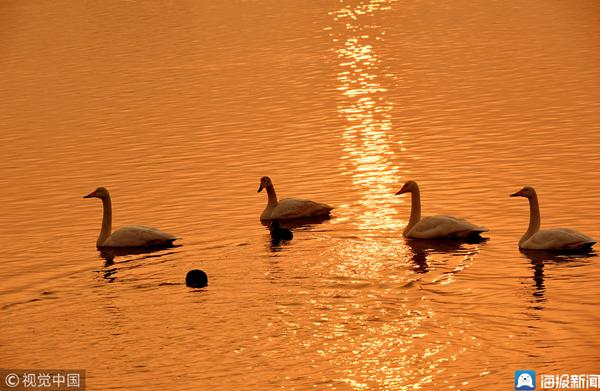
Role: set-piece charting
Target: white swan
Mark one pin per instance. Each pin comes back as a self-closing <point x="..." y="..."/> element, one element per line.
<point x="289" y="208"/>
<point x="548" y="239"/>
<point x="431" y="227"/>
<point x="129" y="236"/>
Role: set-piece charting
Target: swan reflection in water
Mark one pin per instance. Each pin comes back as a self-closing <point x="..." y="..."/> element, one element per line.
<point x="304" y="224"/>
<point x="295" y="225"/>
<point x="422" y="249"/>
<point x="540" y="258"/>
<point x="110" y="254"/>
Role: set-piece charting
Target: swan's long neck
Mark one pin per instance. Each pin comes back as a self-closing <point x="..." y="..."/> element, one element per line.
<point x="106" y="221"/>
<point x="272" y="197"/>
<point x="534" y="218"/>
<point x="415" y="210"/>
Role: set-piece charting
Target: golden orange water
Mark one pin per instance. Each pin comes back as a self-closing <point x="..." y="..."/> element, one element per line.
<point x="180" y="107"/>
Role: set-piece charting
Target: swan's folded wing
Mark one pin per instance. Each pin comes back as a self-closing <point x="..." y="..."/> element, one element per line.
<point x="291" y="208"/>
<point x="138" y="236"/>
<point x="439" y="226"/>
<point x="557" y="239"/>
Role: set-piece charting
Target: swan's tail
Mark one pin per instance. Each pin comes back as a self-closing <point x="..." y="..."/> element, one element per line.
<point x="478" y="230"/>
<point x="162" y="242"/>
<point x="471" y="233"/>
<point x="583" y="246"/>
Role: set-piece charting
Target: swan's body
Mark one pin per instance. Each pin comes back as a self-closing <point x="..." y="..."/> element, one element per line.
<point x="434" y="227"/>
<point x="289" y="208"/>
<point x="440" y="226"/>
<point x="137" y="236"/>
<point x="128" y="236"/>
<point x="548" y="239"/>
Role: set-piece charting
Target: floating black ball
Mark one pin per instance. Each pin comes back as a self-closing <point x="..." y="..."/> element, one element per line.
<point x="196" y="279"/>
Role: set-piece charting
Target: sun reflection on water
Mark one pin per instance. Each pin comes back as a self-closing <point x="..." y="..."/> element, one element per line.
<point x="375" y="323"/>
<point x="368" y="141"/>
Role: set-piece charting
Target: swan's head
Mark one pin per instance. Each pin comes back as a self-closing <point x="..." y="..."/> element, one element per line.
<point x="526" y="192"/>
<point x="100" y="192"/>
<point x="408" y="187"/>
<point x="264" y="182"/>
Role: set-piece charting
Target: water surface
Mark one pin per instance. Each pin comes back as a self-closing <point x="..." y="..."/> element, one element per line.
<point x="180" y="108"/>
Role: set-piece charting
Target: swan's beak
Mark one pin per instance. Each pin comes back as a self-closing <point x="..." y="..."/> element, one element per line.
<point x="260" y="188"/>
<point x="91" y="195"/>
<point x="517" y="194"/>
<point x="401" y="191"/>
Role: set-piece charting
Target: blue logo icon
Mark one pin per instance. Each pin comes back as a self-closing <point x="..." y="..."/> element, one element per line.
<point x="524" y="380"/>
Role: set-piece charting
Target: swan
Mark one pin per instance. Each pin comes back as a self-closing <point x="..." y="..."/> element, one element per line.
<point x="279" y="233"/>
<point x="548" y="239"/>
<point x="289" y="208"/>
<point x="129" y="236"/>
<point x="434" y="227"/>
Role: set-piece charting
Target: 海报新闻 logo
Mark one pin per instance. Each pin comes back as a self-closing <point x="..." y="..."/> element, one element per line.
<point x="524" y="380"/>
